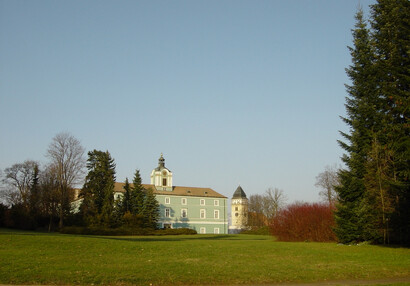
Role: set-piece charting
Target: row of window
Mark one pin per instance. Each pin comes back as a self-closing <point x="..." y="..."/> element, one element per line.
<point x="184" y="201"/>
<point x="202" y="230"/>
<point x="184" y="213"/>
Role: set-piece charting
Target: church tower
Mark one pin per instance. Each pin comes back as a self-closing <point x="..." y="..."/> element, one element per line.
<point x="239" y="210"/>
<point x="161" y="177"/>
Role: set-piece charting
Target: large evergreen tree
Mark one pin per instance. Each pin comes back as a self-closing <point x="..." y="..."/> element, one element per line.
<point x="126" y="200"/>
<point x="137" y="194"/>
<point x="374" y="190"/>
<point x="391" y="33"/>
<point x="150" y="210"/>
<point x="98" y="189"/>
<point x="362" y="107"/>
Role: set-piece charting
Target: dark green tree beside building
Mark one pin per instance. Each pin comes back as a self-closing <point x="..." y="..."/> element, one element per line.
<point x="98" y="189"/>
<point x="374" y="190"/>
<point x="137" y="194"/>
<point x="150" y="210"/>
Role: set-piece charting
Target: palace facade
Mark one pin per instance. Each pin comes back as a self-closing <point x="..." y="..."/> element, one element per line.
<point x="202" y="209"/>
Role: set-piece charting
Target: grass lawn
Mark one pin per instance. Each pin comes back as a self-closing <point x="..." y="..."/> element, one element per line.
<point x="40" y="258"/>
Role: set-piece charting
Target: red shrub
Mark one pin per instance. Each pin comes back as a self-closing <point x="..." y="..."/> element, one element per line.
<point x="304" y="222"/>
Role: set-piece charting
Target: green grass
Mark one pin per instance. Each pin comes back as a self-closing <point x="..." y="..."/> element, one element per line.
<point x="41" y="258"/>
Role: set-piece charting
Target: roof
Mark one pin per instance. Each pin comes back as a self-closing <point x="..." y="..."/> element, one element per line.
<point x="176" y="191"/>
<point x="161" y="164"/>
<point x="239" y="194"/>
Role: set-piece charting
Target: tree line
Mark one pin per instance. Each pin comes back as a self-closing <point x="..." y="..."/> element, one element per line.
<point x="35" y="198"/>
<point x="373" y="195"/>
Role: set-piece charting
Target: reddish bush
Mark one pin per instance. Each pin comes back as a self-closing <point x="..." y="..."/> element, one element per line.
<point x="304" y="222"/>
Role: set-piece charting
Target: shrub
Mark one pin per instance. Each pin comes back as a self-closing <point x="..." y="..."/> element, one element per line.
<point x="175" y="231"/>
<point x="304" y="222"/>
<point x="124" y="231"/>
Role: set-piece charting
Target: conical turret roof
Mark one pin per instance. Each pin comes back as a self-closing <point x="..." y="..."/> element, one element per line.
<point x="239" y="194"/>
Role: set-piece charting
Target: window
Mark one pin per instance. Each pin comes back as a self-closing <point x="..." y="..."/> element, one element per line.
<point x="184" y="213"/>
<point x="167" y="225"/>
<point x="202" y="202"/>
<point x="183" y="201"/>
<point x="203" y="213"/>
<point x="167" y="200"/>
<point x="236" y="214"/>
<point x="216" y="203"/>
<point x="216" y="214"/>
<point x="236" y="208"/>
<point x="167" y="212"/>
<point x="164" y="181"/>
<point x="216" y="230"/>
<point x="202" y="230"/>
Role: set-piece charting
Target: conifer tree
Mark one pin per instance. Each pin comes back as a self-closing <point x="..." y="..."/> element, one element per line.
<point x="374" y="191"/>
<point x="391" y="33"/>
<point x="150" y="210"/>
<point x="126" y="200"/>
<point x="362" y="107"/>
<point x="137" y="194"/>
<point x="35" y="193"/>
<point x="98" y="189"/>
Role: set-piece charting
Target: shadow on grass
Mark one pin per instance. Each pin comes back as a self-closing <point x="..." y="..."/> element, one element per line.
<point x="201" y="237"/>
<point x="177" y="238"/>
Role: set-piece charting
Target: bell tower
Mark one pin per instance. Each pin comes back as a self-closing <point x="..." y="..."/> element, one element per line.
<point x="161" y="177"/>
<point x="239" y="210"/>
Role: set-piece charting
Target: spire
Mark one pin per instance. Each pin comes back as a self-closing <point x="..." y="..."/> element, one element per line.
<point x="161" y="162"/>
<point x="239" y="193"/>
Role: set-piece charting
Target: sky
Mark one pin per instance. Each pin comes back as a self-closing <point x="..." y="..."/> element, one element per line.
<point x="232" y="93"/>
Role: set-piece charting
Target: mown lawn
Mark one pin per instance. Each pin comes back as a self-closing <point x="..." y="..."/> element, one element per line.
<point x="40" y="258"/>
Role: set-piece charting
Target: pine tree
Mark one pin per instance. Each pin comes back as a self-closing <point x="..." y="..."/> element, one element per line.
<point x="137" y="194"/>
<point x="150" y="210"/>
<point x="391" y="33"/>
<point x="362" y="107"/>
<point x="98" y="189"/>
<point x="35" y="193"/>
<point x="126" y="200"/>
<point x="374" y="192"/>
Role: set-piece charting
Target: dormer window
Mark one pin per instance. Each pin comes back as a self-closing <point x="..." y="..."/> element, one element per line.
<point x="164" y="181"/>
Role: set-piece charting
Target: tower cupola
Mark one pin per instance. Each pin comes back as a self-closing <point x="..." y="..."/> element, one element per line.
<point x="161" y="177"/>
<point x="161" y="162"/>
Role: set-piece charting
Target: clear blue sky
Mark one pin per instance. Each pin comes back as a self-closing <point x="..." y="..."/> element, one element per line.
<point x="232" y="92"/>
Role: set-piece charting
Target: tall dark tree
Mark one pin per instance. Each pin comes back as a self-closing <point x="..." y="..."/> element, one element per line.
<point x="137" y="194"/>
<point x="98" y="189"/>
<point x="374" y="191"/>
<point x="35" y="195"/>
<point x="391" y="33"/>
<point x="150" y="210"/>
<point x="126" y="200"/>
<point x="362" y="107"/>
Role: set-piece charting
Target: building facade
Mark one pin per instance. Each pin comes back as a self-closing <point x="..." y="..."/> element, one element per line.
<point x="201" y="209"/>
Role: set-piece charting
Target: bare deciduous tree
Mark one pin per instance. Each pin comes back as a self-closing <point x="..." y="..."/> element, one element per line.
<point x="17" y="180"/>
<point x="67" y="158"/>
<point x="263" y="208"/>
<point x="275" y="200"/>
<point x="327" y="180"/>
